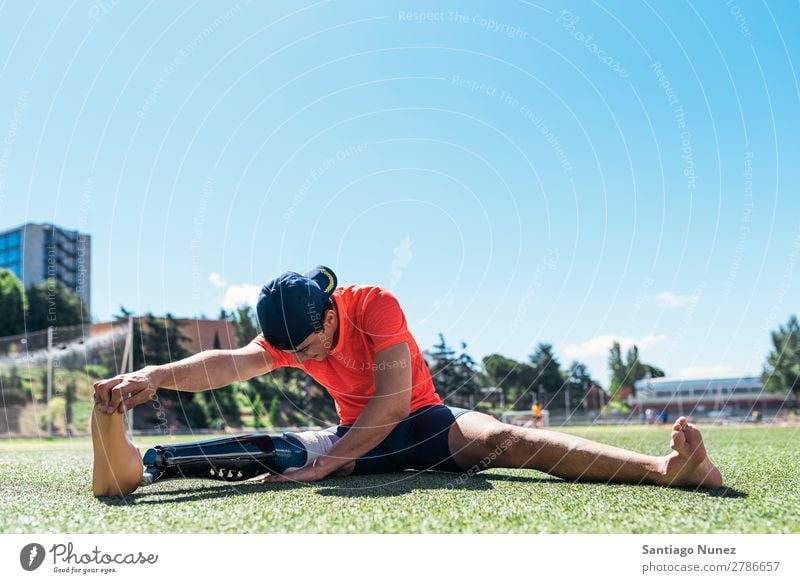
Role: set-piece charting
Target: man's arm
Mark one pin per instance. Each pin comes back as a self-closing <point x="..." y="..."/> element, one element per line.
<point x="390" y="404"/>
<point x="209" y="369"/>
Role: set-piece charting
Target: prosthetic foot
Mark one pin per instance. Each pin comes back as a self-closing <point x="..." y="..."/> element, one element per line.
<point x="233" y="459"/>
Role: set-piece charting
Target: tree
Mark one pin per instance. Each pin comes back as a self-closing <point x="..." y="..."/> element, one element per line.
<point x="577" y="373"/>
<point x="258" y="412"/>
<point x="221" y="402"/>
<point x="782" y="369"/>
<point x="443" y="367"/>
<point x="160" y="341"/>
<point x="502" y="372"/>
<point x="616" y="365"/>
<point x="579" y="383"/>
<point x="51" y="303"/>
<point x="513" y="377"/>
<point x="13" y="303"/>
<point x="189" y="410"/>
<point x="455" y="377"/>
<point x="123" y="314"/>
<point x="626" y="373"/>
<point x="547" y="372"/>
<point x="69" y="400"/>
<point x="638" y="370"/>
<point x="468" y="385"/>
<point x="274" y="411"/>
<point x="244" y="322"/>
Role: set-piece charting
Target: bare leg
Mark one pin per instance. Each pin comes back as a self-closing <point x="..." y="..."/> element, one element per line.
<point x="481" y="441"/>
<point x="117" y="467"/>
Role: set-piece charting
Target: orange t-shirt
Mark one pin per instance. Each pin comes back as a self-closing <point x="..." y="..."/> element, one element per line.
<point x="370" y="319"/>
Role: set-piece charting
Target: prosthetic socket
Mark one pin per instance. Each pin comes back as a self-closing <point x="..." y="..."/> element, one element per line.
<point x="233" y="459"/>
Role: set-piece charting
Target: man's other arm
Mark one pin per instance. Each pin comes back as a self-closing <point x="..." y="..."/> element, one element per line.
<point x="390" y="404"/>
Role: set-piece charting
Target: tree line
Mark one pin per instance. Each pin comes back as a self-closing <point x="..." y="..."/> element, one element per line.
<point x="289" y="397"/>
<point x="42" y="305"/>
<point x="285" y="397"/>
<point x="460" y="381"/>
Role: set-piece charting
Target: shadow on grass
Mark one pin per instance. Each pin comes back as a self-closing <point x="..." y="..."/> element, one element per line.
<point x="723" y="492"/>
<point x="371" y="486"/>
<point x="387" y="485"/>
<point x="167" y="495"/>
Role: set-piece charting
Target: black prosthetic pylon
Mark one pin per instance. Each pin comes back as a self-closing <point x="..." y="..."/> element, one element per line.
<point x="230" y="459"/>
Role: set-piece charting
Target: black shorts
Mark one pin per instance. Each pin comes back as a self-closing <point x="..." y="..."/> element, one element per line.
<point x="419" y="442"/>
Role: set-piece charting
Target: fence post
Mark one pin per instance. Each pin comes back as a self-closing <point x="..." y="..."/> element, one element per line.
<point x="128" y="367"/>
<point x="49" y="410"/>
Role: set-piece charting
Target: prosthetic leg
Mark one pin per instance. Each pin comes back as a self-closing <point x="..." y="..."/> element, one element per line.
<point x="233" y="459"/>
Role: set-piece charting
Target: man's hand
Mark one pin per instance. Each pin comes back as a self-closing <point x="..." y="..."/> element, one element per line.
<point x="313" y="472"/>
<point x="141" y="386"/>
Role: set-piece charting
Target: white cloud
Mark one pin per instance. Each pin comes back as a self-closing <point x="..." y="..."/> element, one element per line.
<point x="670" y="300"/>
<point x="600" y="345"/>
<point x="237" y="295"/>
<point x="216" y="280"/>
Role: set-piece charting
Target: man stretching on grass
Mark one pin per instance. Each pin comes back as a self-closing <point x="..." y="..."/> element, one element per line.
<point x="354" y="341"/>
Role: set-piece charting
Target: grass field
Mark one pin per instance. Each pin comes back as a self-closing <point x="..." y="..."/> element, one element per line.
<point x="44" y="487"/>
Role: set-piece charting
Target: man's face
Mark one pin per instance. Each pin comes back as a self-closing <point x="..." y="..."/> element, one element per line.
<point x="318" y="344"/>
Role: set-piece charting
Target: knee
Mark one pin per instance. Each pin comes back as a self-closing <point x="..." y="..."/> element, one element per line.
<point x="498" y="442"/>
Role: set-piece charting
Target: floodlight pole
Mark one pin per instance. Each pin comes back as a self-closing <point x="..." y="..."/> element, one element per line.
<point x="566" y="401"/>
<point x="129" y="342"/>
<point x="49" y="380"/>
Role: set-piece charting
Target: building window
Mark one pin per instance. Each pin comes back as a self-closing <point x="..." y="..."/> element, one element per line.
<point x="9" y="255"/>
<point x="8" y="241"/>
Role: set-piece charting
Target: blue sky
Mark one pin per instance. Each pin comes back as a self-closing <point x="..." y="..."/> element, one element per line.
<point x="515" y="172"/>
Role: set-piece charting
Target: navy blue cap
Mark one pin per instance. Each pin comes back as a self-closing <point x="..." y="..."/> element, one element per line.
<point x="290" y="306"/>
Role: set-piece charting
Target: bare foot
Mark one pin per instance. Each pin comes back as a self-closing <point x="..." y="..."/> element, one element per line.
<point x="117" y="466"/>
<point x="690" y="465"/>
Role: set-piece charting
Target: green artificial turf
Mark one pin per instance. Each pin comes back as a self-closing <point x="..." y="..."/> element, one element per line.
<point x="44" y="487"/>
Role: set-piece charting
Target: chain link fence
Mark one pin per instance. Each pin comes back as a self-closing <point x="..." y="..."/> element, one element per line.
<point x="46" y="378"/>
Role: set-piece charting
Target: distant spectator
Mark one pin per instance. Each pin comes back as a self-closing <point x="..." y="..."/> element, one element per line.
<point x="536" y="413"/>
